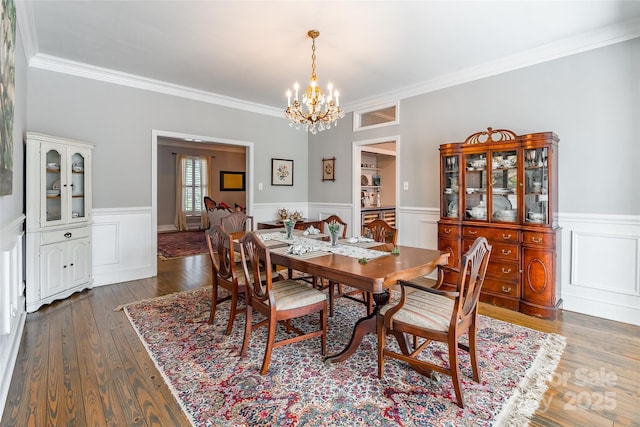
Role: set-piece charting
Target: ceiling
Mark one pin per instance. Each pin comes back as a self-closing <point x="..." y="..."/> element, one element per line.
<point x="246" y="54"/>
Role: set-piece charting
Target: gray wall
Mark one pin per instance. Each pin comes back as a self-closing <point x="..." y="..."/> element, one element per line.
<point x="591" y="100"/>
<point x="223" y="160"/>
<point x="119" y="121"/>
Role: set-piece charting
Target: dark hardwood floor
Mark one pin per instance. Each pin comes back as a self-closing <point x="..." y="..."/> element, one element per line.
<point x="81" y="363"/>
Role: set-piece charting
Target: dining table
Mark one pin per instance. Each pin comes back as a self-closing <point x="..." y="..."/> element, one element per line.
<point x="368" y="266"/>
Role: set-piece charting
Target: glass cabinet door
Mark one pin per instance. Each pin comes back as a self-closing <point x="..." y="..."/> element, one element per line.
<point x="78" y="204"/>
<point x="451" y="187"/>
<point x="536" y="186"/>
<point x="475" y="182"/>
<point x="53" y="186"/>
<point x="504" y="186"/>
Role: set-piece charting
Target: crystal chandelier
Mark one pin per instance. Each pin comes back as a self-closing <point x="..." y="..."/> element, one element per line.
<point x="316" y="112"/>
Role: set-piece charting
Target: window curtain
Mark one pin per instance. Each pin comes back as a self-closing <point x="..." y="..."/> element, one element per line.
<point x="206" y="186"/>
<point x="181" y="167"/>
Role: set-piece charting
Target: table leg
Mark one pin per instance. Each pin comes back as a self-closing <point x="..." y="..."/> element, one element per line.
<point x="366" y="325"/>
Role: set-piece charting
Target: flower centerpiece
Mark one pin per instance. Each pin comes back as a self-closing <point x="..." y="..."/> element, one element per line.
<point x="334" y="230"/>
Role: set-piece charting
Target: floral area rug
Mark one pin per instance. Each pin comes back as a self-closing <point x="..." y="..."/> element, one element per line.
<point x="181" y="243"/>
<point x="215" y="386"/>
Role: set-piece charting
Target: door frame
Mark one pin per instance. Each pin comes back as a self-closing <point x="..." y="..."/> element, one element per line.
<point x="155" y="135"/>
<point x="356" y="156"/>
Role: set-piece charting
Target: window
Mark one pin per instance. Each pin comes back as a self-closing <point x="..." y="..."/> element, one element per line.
<point x="375" y="117"/>
<point x="194" y="184"/>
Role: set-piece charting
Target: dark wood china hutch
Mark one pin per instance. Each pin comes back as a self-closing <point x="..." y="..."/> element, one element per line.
<point x="504" y="187"/>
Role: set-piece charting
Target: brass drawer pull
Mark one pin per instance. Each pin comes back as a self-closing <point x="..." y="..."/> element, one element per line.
<point x="506" y="290"/>
<point x="536" y="239"/>
<point x="506" y="252"/>
<point x="473" y="232"/>
<point x="506" y="270"/>
<point x="506" y="236"/>
<point x="447" y="230"/>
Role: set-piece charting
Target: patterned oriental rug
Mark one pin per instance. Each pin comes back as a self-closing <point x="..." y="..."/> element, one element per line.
<point x="215" y="386"/>
<point x="181" y="243"/>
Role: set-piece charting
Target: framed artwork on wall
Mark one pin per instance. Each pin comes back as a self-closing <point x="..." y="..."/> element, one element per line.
<point x="232" y="181"/>
<point x="7" y="82"/>
<point x="328" y="169"/>
<point x="281" y="172"/>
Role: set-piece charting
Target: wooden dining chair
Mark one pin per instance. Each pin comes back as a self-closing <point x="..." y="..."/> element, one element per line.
<point x="237" y="221"/>
<point x="227" y="274"/>
<point x="209" y="203"/>
<point x="437" y="315"/>
<point x="380" y="231"/>
<point x="278" y="301"/>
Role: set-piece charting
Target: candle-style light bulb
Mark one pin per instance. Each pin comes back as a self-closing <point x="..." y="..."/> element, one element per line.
<point x="296" y="87"/>
<point x="330" y="87"/>
<point x="337" y="98"/>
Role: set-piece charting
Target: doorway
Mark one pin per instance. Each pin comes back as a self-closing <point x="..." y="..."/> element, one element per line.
<point x="368" y="195"/>
<point x="156" y="136"/>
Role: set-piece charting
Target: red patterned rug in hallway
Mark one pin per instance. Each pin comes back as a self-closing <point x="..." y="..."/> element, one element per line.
<point x="181" y="243"/>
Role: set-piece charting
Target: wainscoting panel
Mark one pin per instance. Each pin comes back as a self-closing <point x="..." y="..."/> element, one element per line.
<point x="418" y="227"/>
<point x="123" y="245"/>
<point x="600" y="269"/>
<point x="12" y="301"/>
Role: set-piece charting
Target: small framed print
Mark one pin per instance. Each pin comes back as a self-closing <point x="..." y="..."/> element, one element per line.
<point x="232" y="181"/>
<point x="328" y="169"/>
<point x="281" y="172"/>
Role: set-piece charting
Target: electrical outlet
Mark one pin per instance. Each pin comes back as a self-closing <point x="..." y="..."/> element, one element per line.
<point x="405" y="185"/>
<point x="259" y="186"/>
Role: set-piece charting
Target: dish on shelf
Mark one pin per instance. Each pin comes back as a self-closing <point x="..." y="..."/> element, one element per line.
<point x="364" y="180"/>
<point x="53" y="192"/>
<point x="56" y="185"/>
<point x="508" y="215"/>
<point x="452" y="209"/>
<point x="501" y="203"/>
<point x="502" y="190"/>
<point x="448" y="191"/>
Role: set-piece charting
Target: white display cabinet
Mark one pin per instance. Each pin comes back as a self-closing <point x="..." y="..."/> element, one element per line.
<point x="58" y="218"/>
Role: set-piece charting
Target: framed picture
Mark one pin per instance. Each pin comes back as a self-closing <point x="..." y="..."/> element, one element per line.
<point x="281" y="172"/>
<point x="328" y="169"/>
<point x="232" y="181"/>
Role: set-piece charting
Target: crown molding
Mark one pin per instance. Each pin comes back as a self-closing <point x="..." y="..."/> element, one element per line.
<point x="601" y="37"/>
<point x="52" y="63"/>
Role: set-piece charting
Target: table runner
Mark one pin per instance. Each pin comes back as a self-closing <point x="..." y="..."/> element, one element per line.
<point x="319" y="247"/>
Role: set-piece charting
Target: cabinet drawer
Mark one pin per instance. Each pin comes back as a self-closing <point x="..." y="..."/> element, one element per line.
<point x="503" y="271"/>
<point x="539" y="239"/>
<point x="448" y="230"/>
<point x="493" y="235"/>
<point x="505" y="251"/>
<point x="500" y="287"/>
<point x="48" y="237"/>
<point x="475" y="232"/>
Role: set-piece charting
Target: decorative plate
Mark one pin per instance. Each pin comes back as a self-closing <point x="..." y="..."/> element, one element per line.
<point x="501" y="203"/>
<point x="364" y="180"/>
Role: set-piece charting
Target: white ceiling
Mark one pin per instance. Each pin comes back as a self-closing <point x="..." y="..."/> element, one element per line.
<point x="248" y="53"/>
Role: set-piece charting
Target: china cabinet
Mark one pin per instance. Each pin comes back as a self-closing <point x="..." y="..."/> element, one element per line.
<point x="504" y="187"/>
<point x="58" y="214"/>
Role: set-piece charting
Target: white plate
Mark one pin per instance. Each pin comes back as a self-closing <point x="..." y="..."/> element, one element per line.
<point x="501" y="203"/>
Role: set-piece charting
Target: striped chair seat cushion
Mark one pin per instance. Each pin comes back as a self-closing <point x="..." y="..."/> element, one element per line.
<point x="290" y="294"/>
<point x="424" y="310"/>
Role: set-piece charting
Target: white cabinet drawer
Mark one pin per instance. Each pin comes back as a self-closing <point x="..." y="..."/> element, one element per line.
<point x="48" y="237"/>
